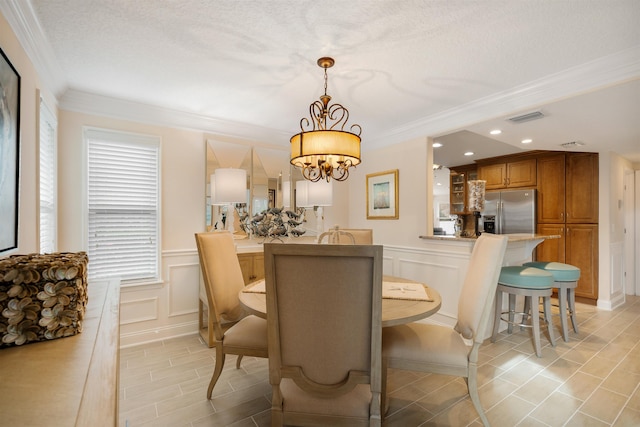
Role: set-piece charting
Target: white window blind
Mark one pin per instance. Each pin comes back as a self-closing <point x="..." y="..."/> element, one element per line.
<point x="48" y="181"/>
<point x="124" y="203"/>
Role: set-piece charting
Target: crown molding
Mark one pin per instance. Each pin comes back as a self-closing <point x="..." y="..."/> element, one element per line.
<point x="607" y="71"/>
<point x="25" y="25"/>
<point x="89" y="103"/>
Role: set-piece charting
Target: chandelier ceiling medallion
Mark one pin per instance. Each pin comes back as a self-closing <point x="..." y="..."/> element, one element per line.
<point x="323" y="149"/>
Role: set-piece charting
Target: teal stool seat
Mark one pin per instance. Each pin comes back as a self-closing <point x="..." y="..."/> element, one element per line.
<point x="525" y="277"/>
<point x="566" y="278"/>
<point x="561" y="272"/>
<point x="532" y="283"/>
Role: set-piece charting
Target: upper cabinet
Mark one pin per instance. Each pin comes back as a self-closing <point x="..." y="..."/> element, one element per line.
<point x="568" y="188"/>
<point x="459" y="200"/>
<point x="521" y="173"/>
<point x="551" y="189"/>
<point x="582" y="188"/>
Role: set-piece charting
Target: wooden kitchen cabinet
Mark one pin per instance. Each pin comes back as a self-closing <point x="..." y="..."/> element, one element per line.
<point x="252" y="266"/>
<point x="582" y="188"/>
<point x="516" y="174"/>
<point x="568" y="188"/>
<point x="568" y="206"/>
<point x="581" y="250"/>
<point x="458" y="194"/>
<point x="551" y="189"/>
<point x="459" y="189"/>
<point x="551" y="249"/>
<point x="577" y="246"/>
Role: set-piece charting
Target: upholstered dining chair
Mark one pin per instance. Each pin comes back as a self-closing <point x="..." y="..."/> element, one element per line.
<point x="324" y="307"/>
<point x="440" y="349"/>
<point x="233" y="331"/>
<point x="347" y="236"/>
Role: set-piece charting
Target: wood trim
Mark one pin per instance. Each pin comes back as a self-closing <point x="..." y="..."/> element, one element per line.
<point x="70" y="381"/>
<point x="100" y="395"/>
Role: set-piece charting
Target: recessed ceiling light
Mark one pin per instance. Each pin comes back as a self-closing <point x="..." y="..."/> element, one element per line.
<point x="437" y="144"/>
<point x="469" y="153"/>
<point x="527" y="141"/>
<point x="495" y="132"/>
<point x="438" y="183"/>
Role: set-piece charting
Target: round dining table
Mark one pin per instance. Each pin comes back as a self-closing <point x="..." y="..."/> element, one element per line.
<point x="394" y="311"/>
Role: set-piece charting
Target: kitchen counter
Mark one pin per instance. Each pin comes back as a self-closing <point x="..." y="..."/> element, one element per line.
<point x="519" y="247"/>
<point x="515" y="237"/>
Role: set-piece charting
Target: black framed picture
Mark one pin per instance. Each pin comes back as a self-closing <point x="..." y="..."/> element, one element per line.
<point x="9" y="153"/>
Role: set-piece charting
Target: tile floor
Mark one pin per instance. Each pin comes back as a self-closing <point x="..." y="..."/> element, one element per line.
<point x="593" y="380"/>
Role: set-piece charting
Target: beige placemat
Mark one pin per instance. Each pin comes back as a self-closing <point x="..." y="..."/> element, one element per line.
<point x="256" y="288"/>
<point x="403" y="290"/>
<point x="390" y="290"/>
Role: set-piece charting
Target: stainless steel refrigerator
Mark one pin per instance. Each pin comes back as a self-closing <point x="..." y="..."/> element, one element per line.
<point x="512" y="211"/>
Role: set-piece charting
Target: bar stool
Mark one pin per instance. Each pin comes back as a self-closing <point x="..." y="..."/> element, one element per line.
<point x="565" y="278"/>
<point x="531" y="283"/>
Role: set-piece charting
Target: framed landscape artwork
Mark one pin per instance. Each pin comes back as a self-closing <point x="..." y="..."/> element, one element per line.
<point x="9" y="153"/>
<point x="382" y="195"/>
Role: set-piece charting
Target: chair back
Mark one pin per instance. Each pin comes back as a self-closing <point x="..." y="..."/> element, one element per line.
<point x="348" y="236"/>
<point x="324" y="324"/>
<point x="222" y="276"/>
<point x="479" y="287"/>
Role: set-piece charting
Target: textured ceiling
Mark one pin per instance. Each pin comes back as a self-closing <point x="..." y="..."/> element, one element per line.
<point x="399" y="64"/>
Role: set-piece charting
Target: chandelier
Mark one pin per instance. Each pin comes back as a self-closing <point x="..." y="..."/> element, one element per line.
<point x="323" y="149"/>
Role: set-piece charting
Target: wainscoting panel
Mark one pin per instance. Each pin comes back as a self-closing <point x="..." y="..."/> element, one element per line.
<point x="138" y="310"/>
<point x="181" y="294"/>
<point x="443" y="271"/>
<point x="616" y="277"/>
<point x="153" y="313"/>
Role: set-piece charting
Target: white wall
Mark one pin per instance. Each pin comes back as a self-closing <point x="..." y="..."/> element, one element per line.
<point x="611" y="230"/>
<point x="410" y="158"/>
<point x="29" y="103"/>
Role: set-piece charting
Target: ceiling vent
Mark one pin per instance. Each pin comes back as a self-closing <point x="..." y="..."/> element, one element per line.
<point x="572" y="144"/>
<point x="526" y="117"/>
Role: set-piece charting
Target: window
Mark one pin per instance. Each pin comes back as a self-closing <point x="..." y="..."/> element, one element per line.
<point x="123" y="205"/>
<point x="48" y="221"/>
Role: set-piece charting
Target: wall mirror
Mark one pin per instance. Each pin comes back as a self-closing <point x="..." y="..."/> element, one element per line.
<point x="265" y="169"/>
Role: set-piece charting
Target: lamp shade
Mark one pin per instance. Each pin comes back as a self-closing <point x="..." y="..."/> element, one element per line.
<point x="302" y="194"/>
<point x="331" y="146"/>
<point x="286" y="193"/>
<point x="229" y="186"/>
<point x="320" y="193"/>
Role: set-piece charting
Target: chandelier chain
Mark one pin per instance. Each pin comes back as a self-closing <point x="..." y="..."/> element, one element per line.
<point x="325" y="81"/>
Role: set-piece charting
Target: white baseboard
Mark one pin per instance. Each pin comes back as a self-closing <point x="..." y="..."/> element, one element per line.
<point x="133" y="339"/>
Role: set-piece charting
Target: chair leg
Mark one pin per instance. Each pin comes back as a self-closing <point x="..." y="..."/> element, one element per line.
<point x="525" y="311"/>
<point x="535" y="324"/>
<point x="498" y="315"/>
<point x="546" y="300"/>
<point x="238" y="360"/>
<point x="512" y="312"/>
<point x="218" y="369"/>
<point x="277" y="417"/>
<point x="572" y="308"/>
<point x="472" y="386"/>
<point x="384" y="403"/>
<point x="562" y="308"/>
